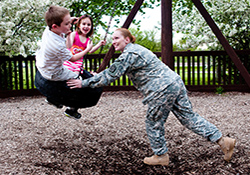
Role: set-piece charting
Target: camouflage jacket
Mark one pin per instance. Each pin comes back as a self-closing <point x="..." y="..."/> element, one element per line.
<point x="148" y="74"/>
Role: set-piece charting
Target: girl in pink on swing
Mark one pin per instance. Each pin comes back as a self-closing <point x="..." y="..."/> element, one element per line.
<point x="77" y="41"/>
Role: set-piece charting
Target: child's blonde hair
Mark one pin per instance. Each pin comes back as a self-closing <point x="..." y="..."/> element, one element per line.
<point x="126" y="33"/>
<point x="55" y="15"/>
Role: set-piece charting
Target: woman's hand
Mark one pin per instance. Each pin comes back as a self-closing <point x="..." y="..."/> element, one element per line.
<point x="74" y="83"/>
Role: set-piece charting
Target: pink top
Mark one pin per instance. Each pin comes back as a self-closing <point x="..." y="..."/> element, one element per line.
<point x="77" y="47"/>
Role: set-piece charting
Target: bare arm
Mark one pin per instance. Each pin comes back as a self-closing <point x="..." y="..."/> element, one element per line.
<point x="101" y="43"/>
<point x="71" y="36"/>
<point x="81" y="54"/>
<point x="70" y="39"/>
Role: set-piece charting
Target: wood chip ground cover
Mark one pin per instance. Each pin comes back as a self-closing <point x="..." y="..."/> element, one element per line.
<point x="110" y="138"/>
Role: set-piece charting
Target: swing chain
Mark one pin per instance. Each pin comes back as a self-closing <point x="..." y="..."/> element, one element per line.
<point x="106" y="33"/>
<point x="109" y="24"/>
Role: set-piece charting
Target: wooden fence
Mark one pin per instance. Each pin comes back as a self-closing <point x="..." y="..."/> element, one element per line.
<point x="200" y="70"/>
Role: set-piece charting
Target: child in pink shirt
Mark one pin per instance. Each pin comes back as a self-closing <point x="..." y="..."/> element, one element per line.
<point x="77" y="41"/>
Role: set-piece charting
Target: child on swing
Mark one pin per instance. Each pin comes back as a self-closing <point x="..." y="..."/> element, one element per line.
<point x="77" y="42"/>
<point x="53" y="51"/>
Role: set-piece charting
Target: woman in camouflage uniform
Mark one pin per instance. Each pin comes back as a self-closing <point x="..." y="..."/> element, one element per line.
<point x="163" y="91"/>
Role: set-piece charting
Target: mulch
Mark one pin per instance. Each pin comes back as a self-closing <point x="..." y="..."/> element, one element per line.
<point x="110" y="138"/>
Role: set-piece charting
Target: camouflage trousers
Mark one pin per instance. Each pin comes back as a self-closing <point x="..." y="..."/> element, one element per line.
<point x="175" y="99"/>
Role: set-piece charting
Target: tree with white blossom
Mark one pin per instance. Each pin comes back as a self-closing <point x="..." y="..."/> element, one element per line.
<point x="231" y="16"/>
<point x="21" y="25"/>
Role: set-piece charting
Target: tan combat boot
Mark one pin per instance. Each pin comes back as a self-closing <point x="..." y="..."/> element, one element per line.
<point x="157" y="160"/>
<point x="227" y="145"/>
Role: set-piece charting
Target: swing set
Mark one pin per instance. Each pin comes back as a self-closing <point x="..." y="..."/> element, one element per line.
<point x="58" y="92"/>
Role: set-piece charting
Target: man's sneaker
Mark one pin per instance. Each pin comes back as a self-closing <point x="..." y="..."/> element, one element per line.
<point x="227" y="145"/>
<point x="157" y="160"/>
<point x="57" y="105"/>
<point x="72" y="114"/>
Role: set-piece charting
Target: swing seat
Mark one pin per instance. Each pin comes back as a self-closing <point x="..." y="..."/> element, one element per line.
<point x="59" y="93"/>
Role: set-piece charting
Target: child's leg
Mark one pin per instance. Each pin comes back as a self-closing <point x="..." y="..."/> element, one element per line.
<point x="85" y="74"/>
<point x="52" y="102"/>
<point x="72" y="113"/>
